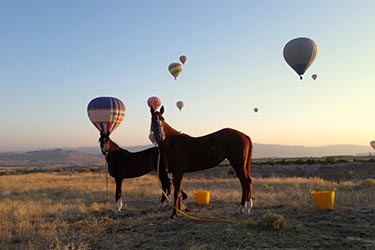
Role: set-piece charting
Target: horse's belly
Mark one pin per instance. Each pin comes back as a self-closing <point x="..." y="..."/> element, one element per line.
<point x="195" y="165"/>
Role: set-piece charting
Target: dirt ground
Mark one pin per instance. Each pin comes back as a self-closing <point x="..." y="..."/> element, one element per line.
<point x="141" y="225"/>
<point x="345" y="227"/>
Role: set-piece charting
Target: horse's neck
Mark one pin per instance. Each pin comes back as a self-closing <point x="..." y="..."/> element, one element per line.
<point x="168" y="130"/>
<point x="113" y="146"/>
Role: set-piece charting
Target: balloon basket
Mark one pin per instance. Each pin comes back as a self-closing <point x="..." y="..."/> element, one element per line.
<point x="323" y="200"/>
<point x="202" y="197"/>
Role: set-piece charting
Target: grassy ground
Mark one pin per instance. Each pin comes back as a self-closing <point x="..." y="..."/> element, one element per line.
<point x="70" y="211"/>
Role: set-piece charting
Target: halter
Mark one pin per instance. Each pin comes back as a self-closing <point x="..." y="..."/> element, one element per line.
<point x="105" y="147"/>
<point x="159" y="136"/>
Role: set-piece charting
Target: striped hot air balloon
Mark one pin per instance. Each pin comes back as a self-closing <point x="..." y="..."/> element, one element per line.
<point x="154" y="102"/>
<point x="175" y="69"/>
<point x="300" y="53"/>
<point x="106" y="113"/>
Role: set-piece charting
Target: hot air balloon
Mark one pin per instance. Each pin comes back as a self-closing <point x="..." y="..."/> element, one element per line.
<point x="183" y="59"/>
<point x="180" y="105"/>
<point x="256" y="110"/>
<point x="372" y="143"/>
<point x="175" y="69"/>
<point x="300" y="53"/>
<point x="314" y="76"/>
<point x="154" y="102"/>
<point x="106" y="113"/>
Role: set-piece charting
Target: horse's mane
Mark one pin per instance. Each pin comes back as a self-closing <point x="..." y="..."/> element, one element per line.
<point x="117" y="147"/>
<point x="168" y="129"/>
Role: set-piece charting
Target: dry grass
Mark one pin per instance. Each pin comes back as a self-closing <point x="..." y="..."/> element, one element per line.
<point x="70" y="211"/>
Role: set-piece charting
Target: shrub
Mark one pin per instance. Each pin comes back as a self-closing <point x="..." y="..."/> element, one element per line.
<point x="273" y="221"/>
<point x="368" y="183"/>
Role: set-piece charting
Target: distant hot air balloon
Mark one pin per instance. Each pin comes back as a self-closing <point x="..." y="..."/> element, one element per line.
<point x="183" y="59"/>
<point x="256" y="110"/>
<point x="106" y="113"/>
<point x="300" y="53"/>
<point x="175" y="69"/>
<point x="314" y="76"/>
<point x="154" y="102"/>
<point x="180" y="105"/>
<point x="372" y="143"/>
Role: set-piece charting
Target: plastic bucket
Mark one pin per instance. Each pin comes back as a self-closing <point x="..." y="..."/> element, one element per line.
<point x="202" y="197"/>
<point x="324" y="200"/>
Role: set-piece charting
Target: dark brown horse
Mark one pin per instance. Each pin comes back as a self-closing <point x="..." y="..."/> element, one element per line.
<point x="123" y="164"/>
<point x="183" y="153"/>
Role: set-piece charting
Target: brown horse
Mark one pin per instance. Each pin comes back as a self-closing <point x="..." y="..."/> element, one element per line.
<point x="123" y="164"/>
<point x="183" y="153"/>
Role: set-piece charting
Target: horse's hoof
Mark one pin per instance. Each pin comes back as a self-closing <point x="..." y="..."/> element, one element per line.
<point x="174" y="216"/>
<point x="183" y="207"/>
<point x="113" y="214"/>
<point x="164" y="205"/>
<point x="243" y="210"/>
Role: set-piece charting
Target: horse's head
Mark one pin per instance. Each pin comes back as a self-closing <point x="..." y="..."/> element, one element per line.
<point x="157" y="121"/>
<point x="104" y="143"/>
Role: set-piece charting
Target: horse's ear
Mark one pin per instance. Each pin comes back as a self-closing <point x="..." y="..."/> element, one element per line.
<point x="162" y="109"/>
<point x="152" y="110"/>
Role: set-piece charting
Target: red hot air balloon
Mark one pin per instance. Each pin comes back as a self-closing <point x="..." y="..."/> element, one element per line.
<point x="154" y="102"/>
<point x="106" y="113"/>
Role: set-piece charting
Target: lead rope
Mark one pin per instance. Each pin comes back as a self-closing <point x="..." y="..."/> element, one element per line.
<point x="190" y="216"/>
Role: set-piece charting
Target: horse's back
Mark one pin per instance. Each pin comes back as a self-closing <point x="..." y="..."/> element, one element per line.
<point x="198" y="153"/>
<point x="126" y="164"/>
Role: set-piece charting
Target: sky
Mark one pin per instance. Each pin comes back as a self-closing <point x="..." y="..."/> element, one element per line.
<point x="56" y="56"/>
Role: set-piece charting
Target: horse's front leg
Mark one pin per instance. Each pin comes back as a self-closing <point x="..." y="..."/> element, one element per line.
<point x="118" y="196"/>
<point x="177" y="182"/>
<point x="166" y="185"/>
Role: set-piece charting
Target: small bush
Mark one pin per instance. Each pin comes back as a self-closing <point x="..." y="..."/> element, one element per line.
<point x="368" y="183"/>
<point x="273" y="221"/>
<point x="331" y="160"/>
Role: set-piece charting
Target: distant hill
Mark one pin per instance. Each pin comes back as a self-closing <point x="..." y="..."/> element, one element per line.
<point x="284" y="151"/>
<point x="49" y="157"/>
<point x="278" y="151"/>
<point x="92" y="155"/>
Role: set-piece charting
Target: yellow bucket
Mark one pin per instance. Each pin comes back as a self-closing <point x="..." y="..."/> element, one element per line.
<point x="324" y="200"/>
<point x="202" y="197"/>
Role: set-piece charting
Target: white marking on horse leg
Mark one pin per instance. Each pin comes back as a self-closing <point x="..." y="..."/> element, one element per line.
<point x="118" y="206"/>
<point x="249" y="205"/>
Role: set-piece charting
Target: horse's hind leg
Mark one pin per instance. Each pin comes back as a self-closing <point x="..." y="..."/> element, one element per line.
<point x="177" y="182"/>
<point x="249" y="199"/>
<point x="118" y="196"/>
<point x="249" y="203"/>
<point x="241" y="169"/>
<point x="244" y="184"/>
